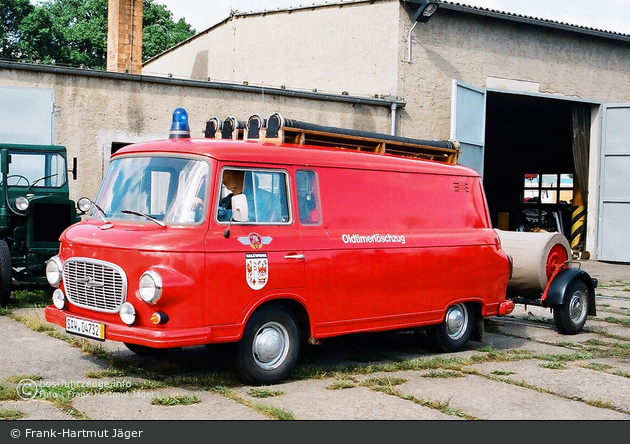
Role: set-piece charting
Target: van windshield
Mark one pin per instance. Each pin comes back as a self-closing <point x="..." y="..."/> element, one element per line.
<point x="170" y="190"/>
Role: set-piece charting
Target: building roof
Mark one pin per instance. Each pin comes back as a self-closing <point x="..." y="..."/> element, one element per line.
<point x="537" y="21"/>
<point x="453" y="6"/>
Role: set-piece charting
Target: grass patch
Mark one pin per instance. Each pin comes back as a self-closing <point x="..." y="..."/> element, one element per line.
<point x="597" y="366"/>
<point x="269" y="411"/>
<point x="442" y="374"/>
<point x="264" y="393"/>
<point x="502" y="372"/>
<point x="11" y="414"/>
<point x="109" y="373"/>
<point x="176" y="399"/>
<point x="33" y="297"/>
<point x="343" y="384"/>
<point x="618" y="321"/>
<point x="387" y="385"/>
<point x="553" y="365"/>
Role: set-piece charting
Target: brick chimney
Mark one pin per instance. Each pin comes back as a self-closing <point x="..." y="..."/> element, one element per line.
<point x="124" y="36"/>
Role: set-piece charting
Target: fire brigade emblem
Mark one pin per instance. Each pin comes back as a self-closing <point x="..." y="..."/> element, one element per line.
<point x="255" y="240"/>
<point x="256" y="270"/>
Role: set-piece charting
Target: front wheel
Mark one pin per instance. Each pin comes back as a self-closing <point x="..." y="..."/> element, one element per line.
<point x="454" y="332"/>
<point x="143" y="350"/>
<point x="6" y="274"/>
<point x="269" y="348"/>
<point x="570" y="317"/>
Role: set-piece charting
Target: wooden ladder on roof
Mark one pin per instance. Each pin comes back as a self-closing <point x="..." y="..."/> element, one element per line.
<point x="277" y="129"/>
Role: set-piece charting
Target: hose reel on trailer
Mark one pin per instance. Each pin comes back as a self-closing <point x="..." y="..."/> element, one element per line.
<point x="545" y="275"/>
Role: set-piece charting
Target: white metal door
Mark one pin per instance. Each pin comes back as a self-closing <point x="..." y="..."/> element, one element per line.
<point x="468" y="123"/>
<point x="614" y="193"/>
<point x="26" y="115"/>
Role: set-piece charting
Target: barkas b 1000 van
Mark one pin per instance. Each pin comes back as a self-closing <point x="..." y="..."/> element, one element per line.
<point x="268" y="246"/>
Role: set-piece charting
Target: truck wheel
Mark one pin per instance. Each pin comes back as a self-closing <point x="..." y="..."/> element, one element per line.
<point x="269" y="348"/>
<point x="454" y="332"/>
<point x="6" y="274"/>
<point x="571" y="315"/>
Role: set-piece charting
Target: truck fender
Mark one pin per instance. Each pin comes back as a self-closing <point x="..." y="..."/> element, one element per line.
<point x="556" y="293"/>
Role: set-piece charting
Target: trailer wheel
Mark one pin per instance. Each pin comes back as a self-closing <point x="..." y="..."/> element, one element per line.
<point x="6" y="274"/>
<point x="269" y="348"/>
<point x="454" y="332"/>
<point x="571" y="315"/>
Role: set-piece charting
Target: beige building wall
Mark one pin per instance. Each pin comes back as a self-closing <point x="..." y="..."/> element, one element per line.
<point x="363" y="48"/>
<point x="502" y="55"/>
<point x="96" y="109"/>
<point x="338" y="48"/>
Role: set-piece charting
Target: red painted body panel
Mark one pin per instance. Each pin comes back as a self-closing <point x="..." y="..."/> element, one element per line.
<point x="399" y="241"/>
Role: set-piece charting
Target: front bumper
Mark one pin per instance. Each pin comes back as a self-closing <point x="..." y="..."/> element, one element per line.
<point x="150" y="337"/>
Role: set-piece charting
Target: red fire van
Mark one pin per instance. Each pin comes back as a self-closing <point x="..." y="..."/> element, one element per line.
<point x="204" y="241"/>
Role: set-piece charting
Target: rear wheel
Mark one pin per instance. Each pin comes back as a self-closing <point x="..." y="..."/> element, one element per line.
<point x="269" y="348"/>
<point x="570" y="317"/>
<point x="6" y="274"/>
<point x="454" y="332"/>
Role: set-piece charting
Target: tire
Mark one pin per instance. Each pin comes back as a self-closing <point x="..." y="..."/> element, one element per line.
<point x="571" y="316"/>
<point x="143" y="350"/>
<point x="269" y="348"/>
<point x="452" y="334"/>
<point x="6" y="274"/>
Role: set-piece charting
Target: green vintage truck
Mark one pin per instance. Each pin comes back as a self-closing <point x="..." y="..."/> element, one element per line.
<point x="34" y="210"/>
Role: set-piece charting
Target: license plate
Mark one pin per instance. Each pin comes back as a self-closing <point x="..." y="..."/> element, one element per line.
<point x="94" y="330"/>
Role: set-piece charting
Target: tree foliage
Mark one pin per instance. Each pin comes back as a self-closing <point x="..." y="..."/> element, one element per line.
<point x="74" y="32"/>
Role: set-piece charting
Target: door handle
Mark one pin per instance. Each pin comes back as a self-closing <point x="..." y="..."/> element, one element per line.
<point x="299" y="257"/>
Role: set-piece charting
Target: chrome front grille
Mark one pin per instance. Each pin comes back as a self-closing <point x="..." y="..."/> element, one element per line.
<point x="94" y="284"/>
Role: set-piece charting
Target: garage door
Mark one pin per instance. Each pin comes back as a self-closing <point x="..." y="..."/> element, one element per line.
<point x="614" y="196"/>
<point x="468" y="123"/>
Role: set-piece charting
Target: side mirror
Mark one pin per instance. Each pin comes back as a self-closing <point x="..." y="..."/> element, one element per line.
<point x="240" y="213"/>
<point x="5" y="159"/>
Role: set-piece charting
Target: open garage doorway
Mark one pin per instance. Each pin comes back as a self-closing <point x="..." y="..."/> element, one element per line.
<point x="531" y="176"/>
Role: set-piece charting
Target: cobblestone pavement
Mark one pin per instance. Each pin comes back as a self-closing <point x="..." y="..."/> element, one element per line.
<point x="523" y="370"/>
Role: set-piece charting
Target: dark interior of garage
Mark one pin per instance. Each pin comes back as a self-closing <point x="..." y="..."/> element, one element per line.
<point x="529" y="139"/>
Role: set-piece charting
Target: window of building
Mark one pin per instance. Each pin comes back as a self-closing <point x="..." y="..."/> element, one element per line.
<point x="548" y="188"/>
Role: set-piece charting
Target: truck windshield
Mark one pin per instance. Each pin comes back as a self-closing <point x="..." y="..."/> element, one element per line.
<point x="171" y="190"/>
<point x="38" y="169"/>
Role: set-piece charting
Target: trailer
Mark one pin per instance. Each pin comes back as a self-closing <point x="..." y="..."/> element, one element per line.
<point x="545" y="275"/>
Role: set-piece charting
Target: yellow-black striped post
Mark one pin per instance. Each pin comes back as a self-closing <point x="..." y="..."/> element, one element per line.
<point x="577" y="225"/>
<point x="577" y="220"/>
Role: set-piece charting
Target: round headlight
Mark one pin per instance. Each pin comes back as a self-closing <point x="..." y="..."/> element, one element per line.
<point x="127" y="313"/>
<point x="150" y="287"/>
<point x="21" y="203"/>
<point x="84" y="204"/>
<point x="59" y="300"/>
<point x="54" y="271"/>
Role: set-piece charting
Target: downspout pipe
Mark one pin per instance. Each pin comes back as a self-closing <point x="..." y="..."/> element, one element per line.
<point x="409" y="42"/>
<point x="393" y="107"/>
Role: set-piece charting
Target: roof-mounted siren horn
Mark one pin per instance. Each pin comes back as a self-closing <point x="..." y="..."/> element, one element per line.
<point x="255" y="125"/>
<point x="232" y="128"/>
<point x="179" y="127"/>
<point x="275" y="122"/>
<point x="213" y="128"/>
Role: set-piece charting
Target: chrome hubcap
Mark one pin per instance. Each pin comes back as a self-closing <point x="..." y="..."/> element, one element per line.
<point x="271" y="345"/>
<point x="456" y="321"/>
<point x="577" y="307"/>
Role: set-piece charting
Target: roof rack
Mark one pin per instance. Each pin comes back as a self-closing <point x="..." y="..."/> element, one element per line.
<point x="277" y="129"/>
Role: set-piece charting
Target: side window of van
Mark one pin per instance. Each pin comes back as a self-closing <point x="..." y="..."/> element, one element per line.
<point x="308" y="197"/>
<point x="265" y="192"/>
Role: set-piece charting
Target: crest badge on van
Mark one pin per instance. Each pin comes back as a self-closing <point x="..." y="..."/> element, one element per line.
<point x="257" y="270"/>
<point x="255" y="240"/>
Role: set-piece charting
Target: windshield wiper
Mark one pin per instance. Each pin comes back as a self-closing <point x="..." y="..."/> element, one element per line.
<point x="40" y="179"/>
<point x="151" y="218"/>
